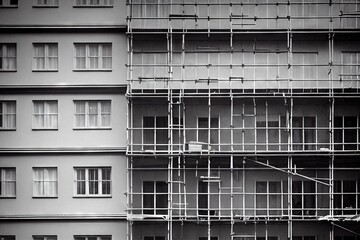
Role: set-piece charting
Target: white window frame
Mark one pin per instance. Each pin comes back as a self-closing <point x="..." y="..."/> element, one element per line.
<point x="46" y="3"/>
<point x="87" y="180"/>
<point x="43" y="182"/>
<point x="4" y="114"/>
<point x="92" y="3"/>
<point x="87" y="114"/>
<point x="7" y="3"/>
<point x="5" y="58"/>
<point x="47" y="115"/>
<point x="87" y="57"/>
<point x="4" y="181"/>
<point x="46" y="57"/>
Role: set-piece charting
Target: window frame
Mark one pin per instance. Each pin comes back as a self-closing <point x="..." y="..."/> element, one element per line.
<point x="3" y="181"/>
<point x="269" y="209"/>
<point x="214" y="133"/>
<point x="87" y="115"/>
<point x="3" y="237"/>
<point x="89" y="5"/>
<point x="44" y="237"/>
<point x="43" y="183"/>
<point x="154" y="210"/>
<point x="4" y="115"/>
<point x="10" y="5"/>
<point x="5" y="59"/>
<point x="47" y="115"/>
<point x="55" y="4"/>
<point x="305" y="131"/>
<point x="347" y="67"/>
<point x="46" y="57"/>
<point x="340" y="194"/>
<point x="305" y="197"/>
<point x="88" y="57"/>
<point x="86" y="180"/>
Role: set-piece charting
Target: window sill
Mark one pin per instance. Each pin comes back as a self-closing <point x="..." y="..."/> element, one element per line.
<point x="45" y="129"/>
<point x="93" y="6"/>
<point x="92" y="196"/>
<point x="97" y="128"/>
<point x="7" y="129"/>
<point x="7" y="197"/>
<point x="92" y="70"/>
<point x="46" y="6"/>
<point x="15" y="6"/>
<point x="44" y="197"/>
<point x="44" y="70"/>
<point x="8" y="70"/>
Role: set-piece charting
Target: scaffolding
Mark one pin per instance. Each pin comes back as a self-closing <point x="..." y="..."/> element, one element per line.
<point x="228" y="92"/>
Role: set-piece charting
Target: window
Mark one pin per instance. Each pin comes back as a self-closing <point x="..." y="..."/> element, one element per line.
<point x="155" y="197"/>
<point x="304" y="237"/>
<point x="45" y="237"/>
<point x="45" y="56"/>
<point x="45" y="183"/>
<point x="94" y="3"/>
<point x="8" y="3"/>
<point x="93" y="56"/>
<point x="8" y="182"/>
<point x="154" y="238"/>
<point x="92" y="114"/>
<point x="8" y="115"/>
<point x="257" y="238"/>
<point x="155" y="133"/>
<point x="7" y="237"/>
<point x="269" y="198"/>
<point x="303" y="198"/>
<point x="93" y="181"/>
<point x="45" y="115"/>
<point x="7" y="56"/>
<point x="345" y="132"/>
<point x="345" y="196"/>
<point x="267" y="135"/>
<point x="46" y="3"/>
<point x="92" y="237"/>
<point x="350" y="66"/>
<point x="304" y="133"/>
<point x="203" y="131"/>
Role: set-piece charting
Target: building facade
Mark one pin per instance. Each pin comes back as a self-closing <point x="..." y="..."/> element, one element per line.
<point x="173" y="119"/>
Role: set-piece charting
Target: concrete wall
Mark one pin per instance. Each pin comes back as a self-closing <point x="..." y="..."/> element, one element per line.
<point x="65" y="14"/>
<point x="66" y="58"/>
<point x="65" y="203"/>
<point x="65" y="230"/>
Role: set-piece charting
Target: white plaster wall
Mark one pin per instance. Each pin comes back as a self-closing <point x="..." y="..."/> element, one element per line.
<point x="24" y="203"/>
<point x="65" y="136"/>
<point x="65" y="14"/>
<point x="65" y="230"/>
<point x="66" y="58"/>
